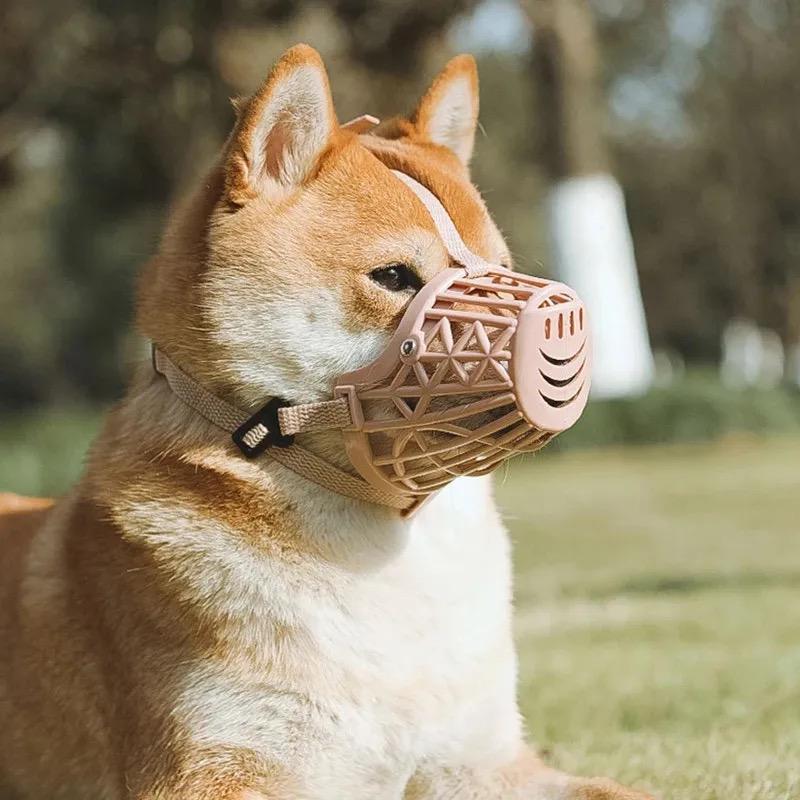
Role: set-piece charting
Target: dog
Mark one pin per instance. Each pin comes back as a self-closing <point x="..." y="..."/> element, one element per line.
<point x="189" y="624"/>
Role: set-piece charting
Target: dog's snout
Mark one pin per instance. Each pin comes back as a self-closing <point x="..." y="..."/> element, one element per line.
<point x="552" y="357"/>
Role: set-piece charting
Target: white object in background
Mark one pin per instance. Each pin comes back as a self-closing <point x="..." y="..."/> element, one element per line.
<point x="741" y="353"/>
<point x="592" y="251"/>
<point x="669" y="367"/>
<point x="793" y="364"/>
<point x="773" y="360"/>
<point x="751" y="356"/>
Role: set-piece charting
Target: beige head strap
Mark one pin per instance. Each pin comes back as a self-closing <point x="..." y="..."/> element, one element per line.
<point x="363" y="124"/>
<point x="474" y="265"/>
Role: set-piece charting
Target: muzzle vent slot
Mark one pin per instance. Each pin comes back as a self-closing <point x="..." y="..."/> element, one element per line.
<point x="454" y="406"/>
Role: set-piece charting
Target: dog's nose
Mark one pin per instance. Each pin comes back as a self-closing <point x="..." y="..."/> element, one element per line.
<point x="551" y="359"/>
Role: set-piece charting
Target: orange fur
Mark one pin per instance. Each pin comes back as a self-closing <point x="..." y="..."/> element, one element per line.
<point x="145" y="597"/>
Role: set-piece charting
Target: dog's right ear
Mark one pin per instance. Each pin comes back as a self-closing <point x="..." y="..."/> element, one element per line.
<point x="282" y="130"/>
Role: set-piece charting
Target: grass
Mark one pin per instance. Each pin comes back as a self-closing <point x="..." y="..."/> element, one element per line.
<point x="658" y="604"/>
<point x="42" y="453"/>
<point x="658" y="615"/>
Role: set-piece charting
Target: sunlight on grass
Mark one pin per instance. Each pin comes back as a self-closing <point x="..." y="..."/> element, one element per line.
<point x="658" y="616"/>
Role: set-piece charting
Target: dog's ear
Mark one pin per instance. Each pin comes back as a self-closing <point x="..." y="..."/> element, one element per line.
<point x="447" y="114"/>
<point x="282" y="130"/>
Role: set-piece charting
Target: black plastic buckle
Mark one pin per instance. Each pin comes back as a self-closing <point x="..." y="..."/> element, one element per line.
<point x="268" y="417"/>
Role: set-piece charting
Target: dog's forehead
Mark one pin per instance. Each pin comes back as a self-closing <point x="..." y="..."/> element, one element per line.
<point x="379" y="190"/>
<point x="373" y="195"/>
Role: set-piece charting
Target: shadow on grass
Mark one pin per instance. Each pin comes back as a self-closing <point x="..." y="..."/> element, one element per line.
<point x="683" y="584"/>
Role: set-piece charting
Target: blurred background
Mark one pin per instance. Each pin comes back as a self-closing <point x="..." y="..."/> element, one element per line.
<point x="667" y="585"/>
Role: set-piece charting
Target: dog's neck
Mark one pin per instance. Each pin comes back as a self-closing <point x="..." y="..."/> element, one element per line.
<point x="234" y="541"/>
<point x="155" y="428"/>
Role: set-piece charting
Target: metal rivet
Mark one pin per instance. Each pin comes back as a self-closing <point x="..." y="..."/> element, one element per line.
<point x="408" y="347"/>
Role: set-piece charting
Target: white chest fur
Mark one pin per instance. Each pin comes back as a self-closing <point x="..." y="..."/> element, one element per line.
<point x="401" y="655"/>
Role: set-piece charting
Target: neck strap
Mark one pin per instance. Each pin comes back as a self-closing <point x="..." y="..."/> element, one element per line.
<point x="272" y="429"/>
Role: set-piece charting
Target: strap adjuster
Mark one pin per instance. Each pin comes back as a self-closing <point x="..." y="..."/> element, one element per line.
<point x="262" y="430"/>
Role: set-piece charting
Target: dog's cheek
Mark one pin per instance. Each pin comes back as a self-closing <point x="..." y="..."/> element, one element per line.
<point x="367" y="308"/>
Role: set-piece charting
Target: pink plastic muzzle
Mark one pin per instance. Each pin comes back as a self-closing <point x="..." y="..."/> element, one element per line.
<point x="480" y="368"/>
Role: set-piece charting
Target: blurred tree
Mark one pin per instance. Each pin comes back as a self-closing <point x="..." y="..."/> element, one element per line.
<point x="114" y="85"/>
<point x="707" y="126"/>
<point x="589" y="234"/>
<point x="106" y="108"/>
<point x="566" y="65"/>
<point x="391" y="36"/>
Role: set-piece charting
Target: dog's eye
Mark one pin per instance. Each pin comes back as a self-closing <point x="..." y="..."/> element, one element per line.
<point x="396" y="278"/>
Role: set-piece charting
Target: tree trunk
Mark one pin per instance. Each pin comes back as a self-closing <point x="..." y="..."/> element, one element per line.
<point x="590" y="239"/>
<point x="565" y="63"/>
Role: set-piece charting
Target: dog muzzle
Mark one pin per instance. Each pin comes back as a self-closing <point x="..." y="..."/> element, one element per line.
<point x="485" y="363"/>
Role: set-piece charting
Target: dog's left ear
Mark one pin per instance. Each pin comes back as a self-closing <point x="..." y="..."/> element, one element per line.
<point x="447" y="114"/>
<point x="283" y="130"/>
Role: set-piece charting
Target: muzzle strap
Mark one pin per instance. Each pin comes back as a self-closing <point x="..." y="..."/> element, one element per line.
<point x="292" y="419"/>
<point x="474" y="265"/>
<point x="309" y="417"/>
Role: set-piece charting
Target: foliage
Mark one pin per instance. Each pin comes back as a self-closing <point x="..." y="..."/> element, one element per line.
<point x="107" y="110"/>
<point x="710" y="92"/>
<point x="696" y="408"/>
<point x="42" y="452"/>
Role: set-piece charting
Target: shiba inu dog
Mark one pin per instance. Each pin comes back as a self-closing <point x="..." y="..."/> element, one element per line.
<point x="188" y="624"/>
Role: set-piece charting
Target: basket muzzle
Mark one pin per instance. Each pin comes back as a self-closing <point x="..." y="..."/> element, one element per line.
<point x="481" y="367"/>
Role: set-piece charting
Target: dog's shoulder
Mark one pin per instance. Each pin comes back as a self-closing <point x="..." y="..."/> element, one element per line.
<point x="20" y="518"/>
<point x="18" y="505"/>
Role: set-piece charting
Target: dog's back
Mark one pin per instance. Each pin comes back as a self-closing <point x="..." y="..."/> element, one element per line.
<point x="20" y="518"/>
<point x="52" y="737"/>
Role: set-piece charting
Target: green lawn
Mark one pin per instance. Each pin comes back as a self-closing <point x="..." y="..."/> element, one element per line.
<point x="658" y="615"/>
<point x="43" y="453"/>
<point x="658" y="604"/>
